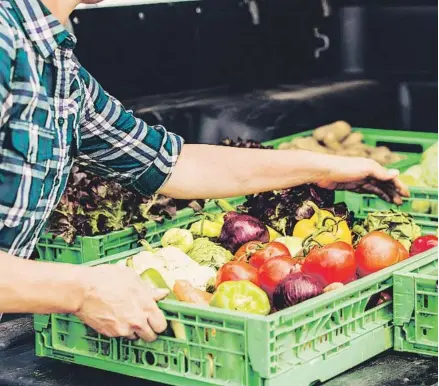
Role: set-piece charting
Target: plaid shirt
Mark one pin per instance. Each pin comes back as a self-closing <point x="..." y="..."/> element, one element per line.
<point x="53" y="112"/>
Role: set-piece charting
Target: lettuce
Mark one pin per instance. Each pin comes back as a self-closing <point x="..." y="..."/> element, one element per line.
<point x="92" y="206"/>
<point x="429" y="166"/>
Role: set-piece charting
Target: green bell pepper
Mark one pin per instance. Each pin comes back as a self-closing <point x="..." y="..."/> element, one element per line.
<point x="243" y="296"/>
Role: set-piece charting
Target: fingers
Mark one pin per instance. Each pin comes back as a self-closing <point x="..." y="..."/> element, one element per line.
<point x="155" y="316"/>
<point x="385" y="190"/>
<point x="145" y="332"/>
<point x="394" y="187"/>
<point x="401" y="188"/>
<point x="373" y="188"/>
<point x="390" y="189"/>
<point x="381" y="173"/>
<point x="159" y="293"/>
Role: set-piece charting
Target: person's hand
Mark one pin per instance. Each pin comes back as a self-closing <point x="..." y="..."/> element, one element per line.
<point x="118" y="304"/>
<point x="363" y="175"/>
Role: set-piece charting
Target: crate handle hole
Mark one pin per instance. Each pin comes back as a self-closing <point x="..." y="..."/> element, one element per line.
<point x="425" y="302"/>
<point x="149" y="358"/>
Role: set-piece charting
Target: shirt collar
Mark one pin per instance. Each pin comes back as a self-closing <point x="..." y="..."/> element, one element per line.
<point x="42" y="28"/>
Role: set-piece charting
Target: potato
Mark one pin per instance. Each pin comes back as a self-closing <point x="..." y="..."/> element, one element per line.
<point x="309" y="143"/>
<point x="354" y="152"/>
<point x="340" y="130"/>
<point x="353" y="139"/>
<point x="285" y="146"/>
<point x="331" y="142"/>
<point x="394" y="157"/>
<point x="381" y="155"/>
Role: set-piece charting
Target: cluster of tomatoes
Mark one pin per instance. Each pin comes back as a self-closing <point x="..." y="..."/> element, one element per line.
<point x="266" y="265"/>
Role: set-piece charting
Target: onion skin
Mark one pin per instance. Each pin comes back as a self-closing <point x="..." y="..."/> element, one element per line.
<point x="239" y="229"/>
<point x="294" y="289"/>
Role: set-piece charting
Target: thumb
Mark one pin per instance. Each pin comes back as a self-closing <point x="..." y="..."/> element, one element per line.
<point x="383" y="174"/>
<point x="159" y="293"/>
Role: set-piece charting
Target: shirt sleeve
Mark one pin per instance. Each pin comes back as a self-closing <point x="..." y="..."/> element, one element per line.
<point x="116" y="144"/>
<point x="7" y="59"/>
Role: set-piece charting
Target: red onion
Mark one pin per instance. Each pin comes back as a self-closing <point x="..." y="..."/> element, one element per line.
<point x="238" y="229"/>
<point x="294" y="289"/>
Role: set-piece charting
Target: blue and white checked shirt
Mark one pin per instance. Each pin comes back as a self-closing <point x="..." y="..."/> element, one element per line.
<point x="53" y="112"/>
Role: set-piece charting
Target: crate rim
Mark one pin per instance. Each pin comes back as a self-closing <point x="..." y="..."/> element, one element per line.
<point x="51" y="236"/>
<point x="299" y="309"/>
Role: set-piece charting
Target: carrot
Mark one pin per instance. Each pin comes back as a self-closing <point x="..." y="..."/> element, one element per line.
<point x="185" y="292"/>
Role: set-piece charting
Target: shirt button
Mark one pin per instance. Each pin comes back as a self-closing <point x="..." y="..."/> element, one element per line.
<point x="60" y="121"/>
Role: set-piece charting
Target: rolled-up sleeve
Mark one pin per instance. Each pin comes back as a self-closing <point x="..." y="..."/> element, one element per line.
<point x="116" y="144"/>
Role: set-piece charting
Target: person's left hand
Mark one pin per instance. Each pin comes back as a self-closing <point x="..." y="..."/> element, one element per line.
<point x="363" y="175"/>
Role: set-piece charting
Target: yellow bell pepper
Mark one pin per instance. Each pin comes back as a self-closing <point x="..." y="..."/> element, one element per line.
<point x="323" y="228"/>
<point x="273" y="234"/>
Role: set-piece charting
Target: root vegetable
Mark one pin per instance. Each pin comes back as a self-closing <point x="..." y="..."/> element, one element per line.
<point x="330" y="140"/>
<point x="353" y="139"/>
<point x="285" y="146"/>
<point x="381" y="155"/>
<point x="309" y="143"/>
<point x="340" y="129"/>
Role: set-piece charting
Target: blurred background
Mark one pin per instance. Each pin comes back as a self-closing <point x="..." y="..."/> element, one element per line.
<point x="263" y="69"/>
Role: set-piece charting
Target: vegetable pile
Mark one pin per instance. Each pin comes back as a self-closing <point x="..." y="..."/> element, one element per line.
<point x="93" y="206"/>
<point x="253" y="260"/>
<point x="338" y="138"/>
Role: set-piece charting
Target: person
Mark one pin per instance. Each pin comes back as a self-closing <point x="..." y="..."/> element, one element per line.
<point x="52" y="112"/>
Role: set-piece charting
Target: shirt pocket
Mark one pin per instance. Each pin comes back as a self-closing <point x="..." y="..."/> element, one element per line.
<point x="25" y="154"/>
<point x="32" y="141"/>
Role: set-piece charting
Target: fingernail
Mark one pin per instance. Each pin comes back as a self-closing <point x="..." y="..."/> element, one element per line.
<point x="393" y="172"/>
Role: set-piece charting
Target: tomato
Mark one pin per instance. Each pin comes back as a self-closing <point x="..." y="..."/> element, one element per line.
<point x="247" y="250"/>
<point x="272" y="272"/>
<point x="271" y="250"/>
<point x="235" y="271"/>
<point x="422" y="244"/>
<point x="376" y="251"/>
<point x="332" y="263"/>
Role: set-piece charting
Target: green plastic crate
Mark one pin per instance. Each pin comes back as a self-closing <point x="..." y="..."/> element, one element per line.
<point x="85" y="249"/>
<point x="393" y="139"/>
<point x="415" y="308"/>
<point x="363" y="204"/>
<point x="311" y="342"/>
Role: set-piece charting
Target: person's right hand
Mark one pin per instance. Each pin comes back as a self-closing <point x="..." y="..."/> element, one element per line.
<point x="118" y="304"/>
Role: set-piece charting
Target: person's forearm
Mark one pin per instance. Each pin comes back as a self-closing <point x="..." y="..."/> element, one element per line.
<point x="205" y="171"/>
<point x="37" y="287"/>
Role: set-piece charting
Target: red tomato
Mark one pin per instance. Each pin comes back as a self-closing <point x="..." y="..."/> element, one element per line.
<point x="376" y="251"/>
<point x="422" y="244"/>
<point x="271" y="250"/>
<point x="332" y="263"/>
<point x="274" y="271"/>
<point x="247" y="250"/>
<point x="235" y="271"/>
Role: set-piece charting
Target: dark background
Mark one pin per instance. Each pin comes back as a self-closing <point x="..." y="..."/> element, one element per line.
<point x="224" y="75"/>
